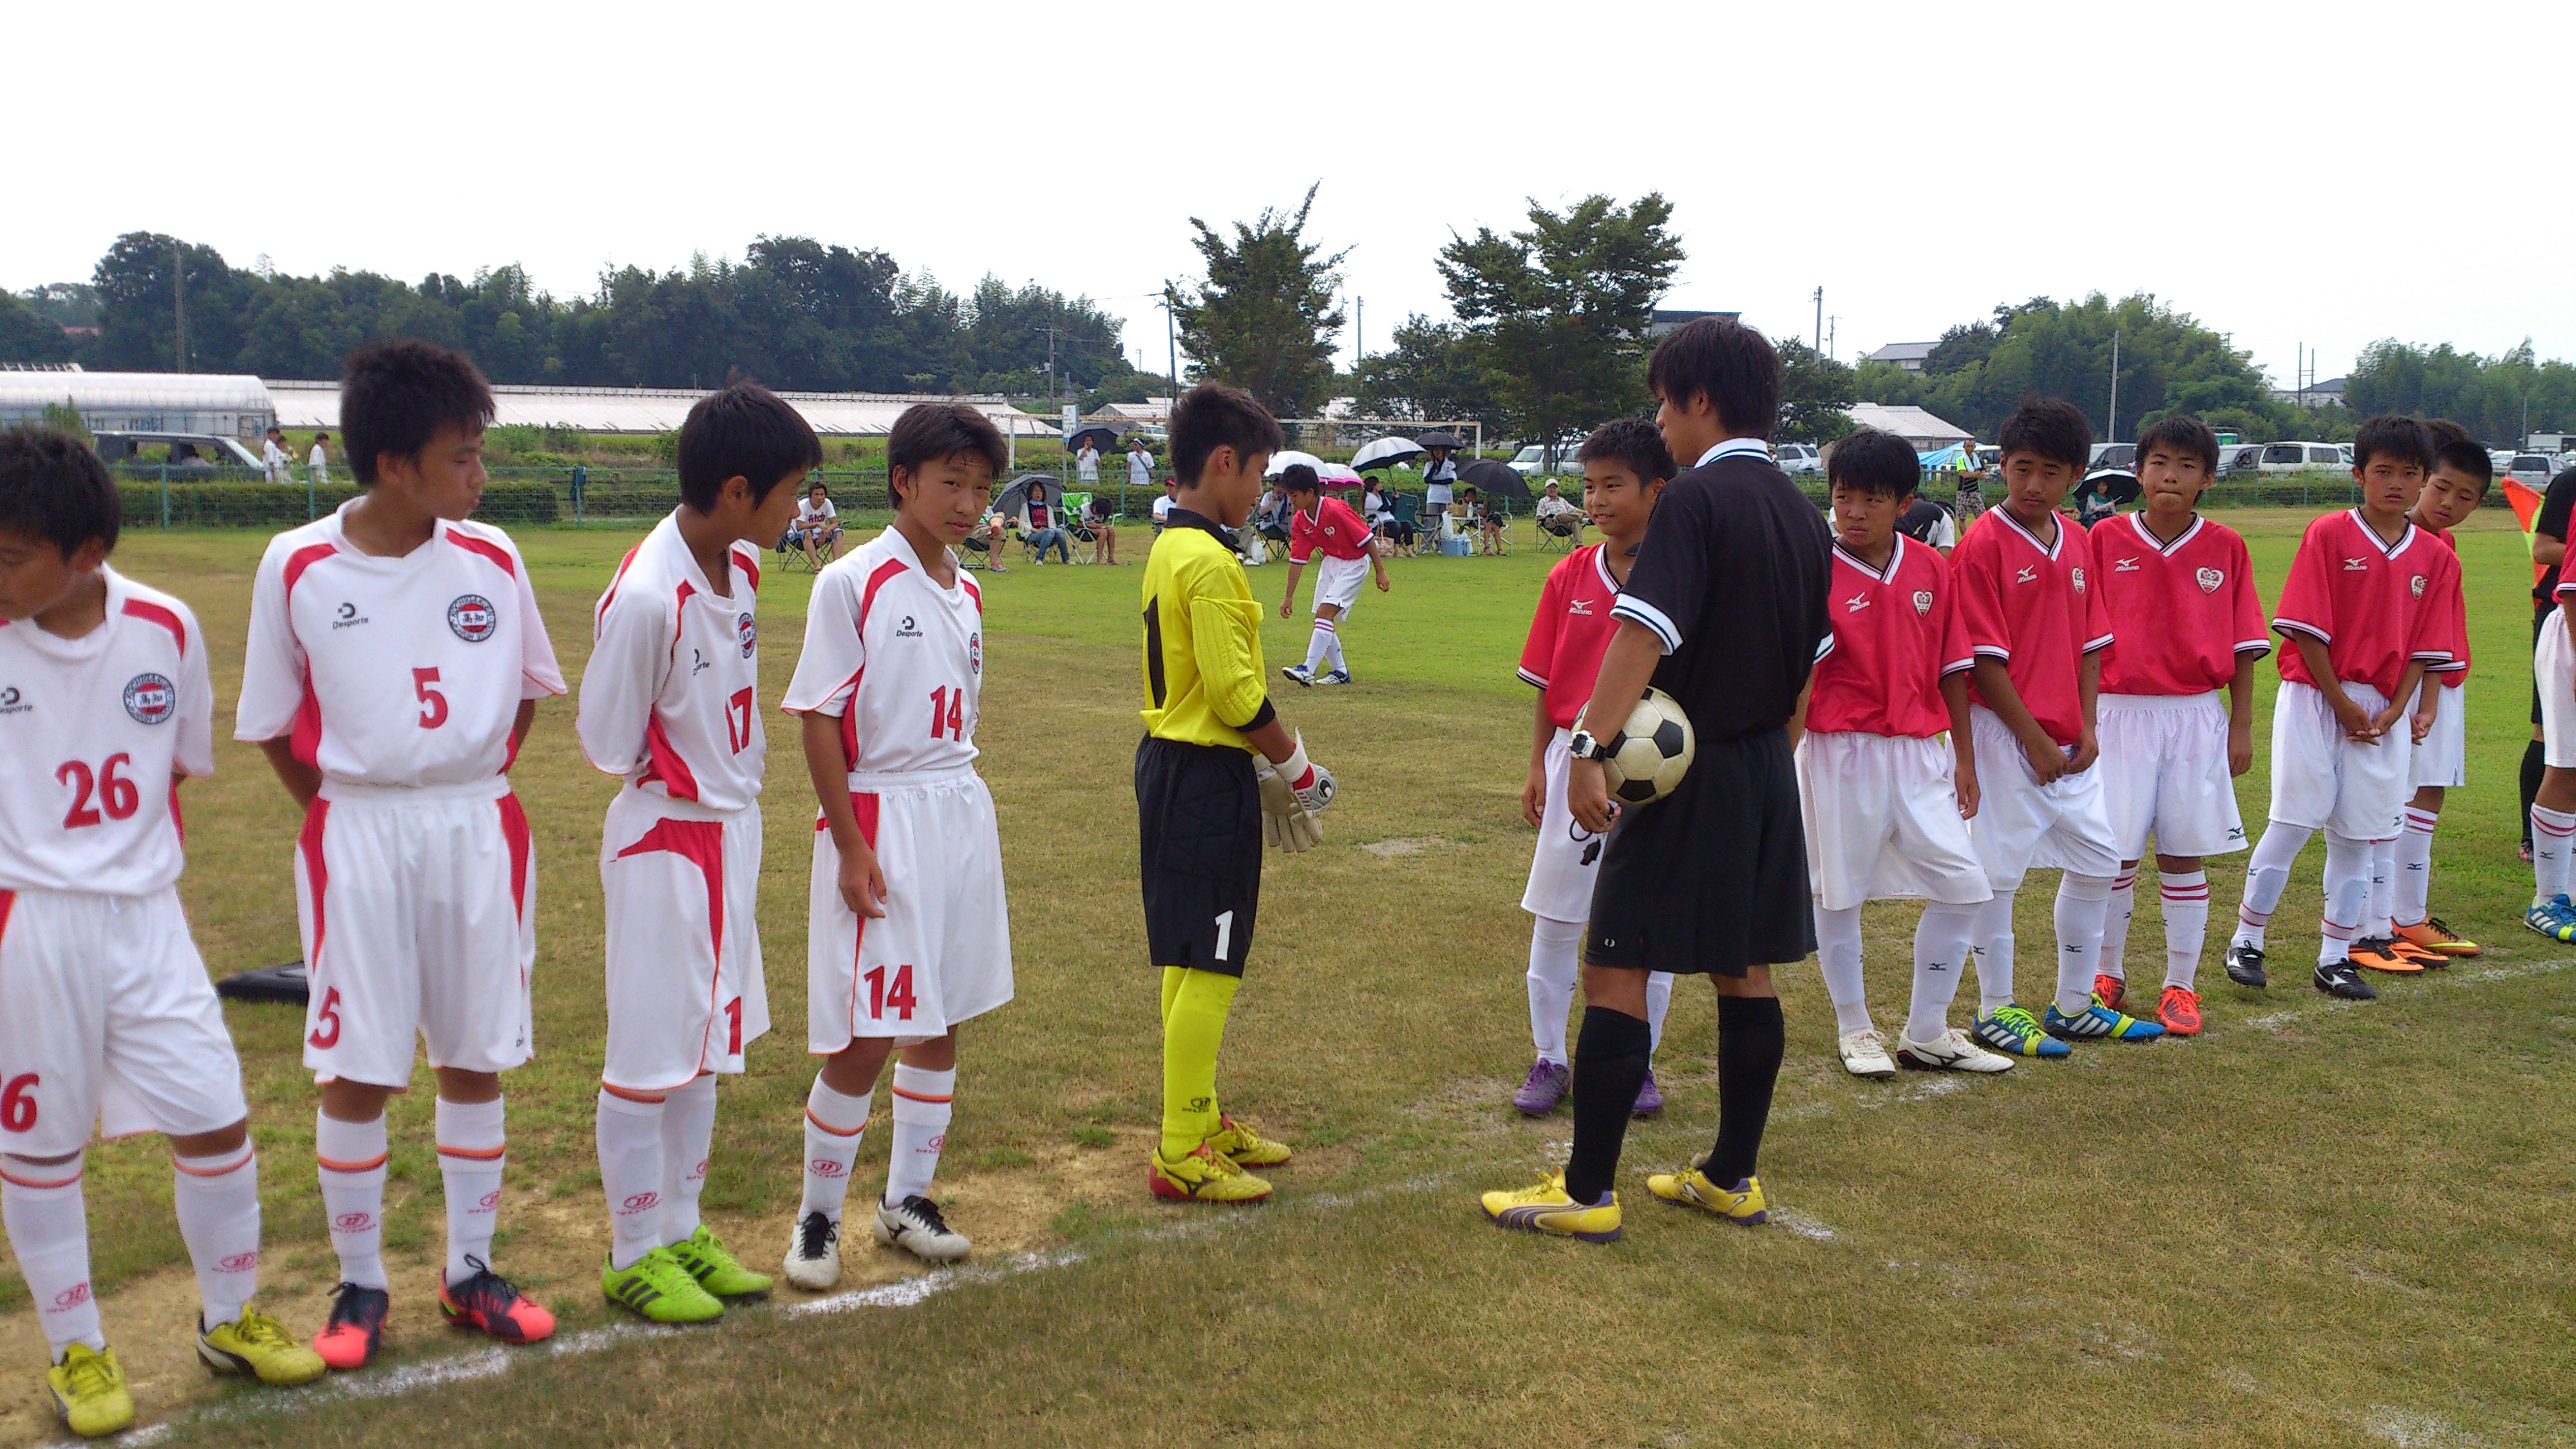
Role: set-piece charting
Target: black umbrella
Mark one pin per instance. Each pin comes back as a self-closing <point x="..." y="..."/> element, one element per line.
<point x="1441" y="440"/>
<point x="1494" y="480"/>
<point x="1102" y="436"/>
<point x="2115" y="485"/>
<point x="1049" y="489"/>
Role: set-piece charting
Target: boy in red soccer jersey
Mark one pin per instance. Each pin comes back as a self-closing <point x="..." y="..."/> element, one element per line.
<point x="2366" y="612"/>
<point x="2185" y="622"/>
<point x="1887" y="798"/>
<point x="1625" y="466"/>
<point x="1323" y="524"/>
<point x="2038" y="628"/>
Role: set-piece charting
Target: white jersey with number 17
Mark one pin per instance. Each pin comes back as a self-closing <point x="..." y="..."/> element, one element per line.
<point x="897" y="658"/>
<point x="668" y="698"/>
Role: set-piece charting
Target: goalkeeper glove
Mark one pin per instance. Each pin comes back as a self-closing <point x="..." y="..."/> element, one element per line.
<point x="1312" y="783"/>
<point x="1287" y="819"/>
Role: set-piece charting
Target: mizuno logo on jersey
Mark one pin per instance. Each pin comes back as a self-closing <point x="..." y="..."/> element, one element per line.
<point x="2355" y="565"/>
<point x="1856" y="603"/>
<point x="2125" y="566"/>
<point x="2028" y="573"/>
<point x="697" y="663"/>
<point x="1579" y="606"/>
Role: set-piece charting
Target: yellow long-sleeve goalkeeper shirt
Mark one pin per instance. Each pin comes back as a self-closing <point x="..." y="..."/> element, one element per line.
<point x="1202" y="655"/>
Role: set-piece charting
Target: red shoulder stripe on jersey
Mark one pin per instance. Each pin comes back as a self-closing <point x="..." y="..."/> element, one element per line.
<point x="679" y="607"/>
<point x="974" y="593"/>
<point x="616" y="579"/>
<point x="168" y="619"/>
<point x="887" y="570"/>
<point x="750" y="564"/>
<point x="305" y="736"/>
<point x="8" y="903"/>
<point x="305" y="558"/>
<point x="493" y="551"/>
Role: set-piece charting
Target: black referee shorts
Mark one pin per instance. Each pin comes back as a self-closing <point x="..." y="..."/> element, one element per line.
<point x="1198" y="837"/>
<point x="2540" y="617"/>
<point x="1711" y="879"/>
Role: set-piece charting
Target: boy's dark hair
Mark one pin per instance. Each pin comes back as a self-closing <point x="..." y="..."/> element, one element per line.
<point x="1872" y="461"/>
<point x="2050" y="427"/>
<point x="394" y="395"/>
<point x="2395" y="436"/>
<point x="742" y="430"/>
<point x="930" y="432"/>
<point x="2181" y="433"/>
<point x="1298" y="478"/>
<point x="54" y="488"/>
<point x="1725" y="361"/>
<point x="1634" y="444"/>
<point x="1212" y="416"/>
<point x="2454" y="449"/>
<point x="816" y="486"/>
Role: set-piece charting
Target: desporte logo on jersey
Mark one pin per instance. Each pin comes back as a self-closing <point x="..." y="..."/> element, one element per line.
<point x="151" y="698"/>
<point x="473" y="618"/>
<point x="12" y="702"/>
<point x="2209" y="580"/>
<point x="347" y="616"/>
<point x="750" y="633"/>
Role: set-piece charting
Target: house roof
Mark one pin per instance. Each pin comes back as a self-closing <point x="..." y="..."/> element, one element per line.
<point x="1916" y="426"/>
<point x="1903" y="352"/>
<point x="316" y="404"/>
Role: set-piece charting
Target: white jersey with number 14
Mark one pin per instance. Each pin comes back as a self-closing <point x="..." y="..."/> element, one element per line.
<point x="896" y="657"/>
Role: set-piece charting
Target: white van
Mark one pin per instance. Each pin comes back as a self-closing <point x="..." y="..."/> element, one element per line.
<point x="2301" y="457"/>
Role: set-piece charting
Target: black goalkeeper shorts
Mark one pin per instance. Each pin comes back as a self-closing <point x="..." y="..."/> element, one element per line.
<point x="1198" y="838"/>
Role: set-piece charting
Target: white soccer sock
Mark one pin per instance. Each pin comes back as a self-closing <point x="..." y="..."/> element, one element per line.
<point x="1940" y="951"/>
<point x="352" y="1160"/>
<point x="48" y="1225"/>
<point x="2186" y="900"/>
<point x="2267" y="874"/>
<point x="2550" y="832"/>
<point x="1318" y="644"/>
<point x="921" y="1111"/>
<point x="472" y="1151"/>
<point x="1659" y="999"/>
<point x="217" y="1199"/>
<point x="2082" y="901"/>
<point x="1333" y="650"/>
<point x="2415" y="867"/>
<point x="2347" y="888"/>
<point x="1838" y="956"/>
<point x="688" y="1135"/>
<point x="1555" y="949"/>
<point x="630" y="1173"/>
<point x="1992" y="937"/>
<point x="2115" y="925"/>
<point x="2379" y="908"/>
<point x="834" y="1123"/>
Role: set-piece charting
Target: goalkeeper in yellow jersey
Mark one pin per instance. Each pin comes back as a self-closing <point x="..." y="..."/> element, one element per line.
<point x="1216" y="775"/>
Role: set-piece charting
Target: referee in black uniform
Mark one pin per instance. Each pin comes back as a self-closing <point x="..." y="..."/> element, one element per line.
<point x="1726" y="612"/>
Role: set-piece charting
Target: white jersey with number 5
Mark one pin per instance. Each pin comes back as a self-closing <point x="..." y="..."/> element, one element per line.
<point x="897" y="657"/>
<point x="667" y="700"/>
<point x="394" y="671"/>
<point x="92" y="732"/>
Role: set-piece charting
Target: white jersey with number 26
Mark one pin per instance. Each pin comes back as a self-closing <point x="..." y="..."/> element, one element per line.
<point x="897" y="658"/>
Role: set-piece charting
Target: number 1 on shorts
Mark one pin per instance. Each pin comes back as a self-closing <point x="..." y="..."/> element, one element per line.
<point x="1224" y="933"/>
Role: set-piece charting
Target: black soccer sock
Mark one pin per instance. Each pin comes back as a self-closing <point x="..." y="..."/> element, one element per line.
<point x="1751" y="1039"/>
<point x="2534" y="764"/>
<point x="1610" y="1055"/>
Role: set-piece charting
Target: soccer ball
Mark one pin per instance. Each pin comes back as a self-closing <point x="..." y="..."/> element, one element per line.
<point x="1646" y="759"/>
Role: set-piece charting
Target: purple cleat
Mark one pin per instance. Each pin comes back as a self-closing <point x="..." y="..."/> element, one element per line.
<point x="1545" y="1088"/>
<point x="1650" y="1098"/>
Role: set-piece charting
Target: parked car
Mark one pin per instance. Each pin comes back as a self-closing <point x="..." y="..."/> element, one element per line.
<point x="2114" y="455"/>
<point x="2298" y="457"/>
<point x="1796" y="459"/>
<point x="1532" y="460"/>
<point x="2531" y="469"/>
<point x="205" y="450"/>
<point x="2235" y="460"/>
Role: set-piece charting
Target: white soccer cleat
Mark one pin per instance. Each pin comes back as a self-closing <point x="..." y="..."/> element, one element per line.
<point x="814" y="1253"/>
<point x="916" y="1227"/>
<point x="1864" y="1055"/>
<point x="1954" y="1052"/>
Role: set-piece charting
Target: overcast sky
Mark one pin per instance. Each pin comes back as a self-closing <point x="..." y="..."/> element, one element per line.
<point x="2290" y="173"/>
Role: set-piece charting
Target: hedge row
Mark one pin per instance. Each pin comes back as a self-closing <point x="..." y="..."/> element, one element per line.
<point x="268" y="505"/>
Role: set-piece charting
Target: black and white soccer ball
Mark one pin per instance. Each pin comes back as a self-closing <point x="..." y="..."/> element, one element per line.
<point x="1646" y="759"/>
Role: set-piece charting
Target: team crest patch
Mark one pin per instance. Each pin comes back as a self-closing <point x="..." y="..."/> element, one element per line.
<point x="750" y="633"/>
<point x="1922" y="601"/>
<point x="2078" y="572"/>
<point x="2415" y="585"/>
<point x="975" y="653"/>
<point x="473" y="618"/>
<point x="2209" y="580"/>
<point x="151" y="698"/>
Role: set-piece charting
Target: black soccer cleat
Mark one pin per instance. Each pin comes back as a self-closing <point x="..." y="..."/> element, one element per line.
<point x="2245" y="966"/>
<point x="2342" y="979"/>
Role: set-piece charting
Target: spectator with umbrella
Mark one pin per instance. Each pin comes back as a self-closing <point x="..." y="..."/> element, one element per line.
<point x="1439" y="475"/>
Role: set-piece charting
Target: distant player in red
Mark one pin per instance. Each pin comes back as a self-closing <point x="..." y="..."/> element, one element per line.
<point x="1625" y="466"/>
<point x="2366" y="609"/>
<point x="2185" y="623"/>
<point x="2038" y="628"/>
<point x="1323" y="524"/>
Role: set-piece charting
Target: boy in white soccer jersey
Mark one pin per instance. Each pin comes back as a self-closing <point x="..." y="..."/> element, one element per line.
<point x="108" y="1022"/>
<point x="1625" y="467"/>
<point x="1318" y="524"/>
<point x="2185" y="623"/>
<point x="1886" y="797"/>
<point x="908" y="934"/>
<point x="394" y="665"/>
<point x="669" y="703"/>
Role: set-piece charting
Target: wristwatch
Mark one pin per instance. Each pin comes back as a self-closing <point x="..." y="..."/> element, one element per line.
<point x="1582" y="746"/>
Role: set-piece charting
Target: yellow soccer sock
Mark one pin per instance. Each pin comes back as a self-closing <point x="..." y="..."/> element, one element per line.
<point x="1171" y="987"/>
<point x="1192" y="1031"/>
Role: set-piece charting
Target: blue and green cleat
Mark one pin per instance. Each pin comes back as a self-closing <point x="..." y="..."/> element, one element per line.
<point x="2097" y="1022"/>
<point x="2015" y="1032"/>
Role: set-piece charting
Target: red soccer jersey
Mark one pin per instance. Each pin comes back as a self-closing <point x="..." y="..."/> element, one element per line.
<point x="1332" y="527"/>
<point x="1568" y="634"/>
<point x="2376" y="606"/>
<point x="2455" y="672"/>
<point x="1897" y="635"/>
<point x="2183" y="614"/>
<point x="2030" y="605"/>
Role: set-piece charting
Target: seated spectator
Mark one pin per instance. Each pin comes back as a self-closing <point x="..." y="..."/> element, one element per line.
<point x="1163" y="505"/>
<point x="1041" y="525"/>
<point x="817" y="528"/>
<point x="993" y="536"/>
<point x="1097" y="516"/>
<point x="1558" y="514"/>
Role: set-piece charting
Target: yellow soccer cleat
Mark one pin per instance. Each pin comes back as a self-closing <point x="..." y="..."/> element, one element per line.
<point x="1742" y="1206"/>
<point x="260" y="1346"/>
<point x="1203" y="1175"/>
<point x="2432" y="935"/>
<point x="1545" y="1208"/>
<point x="89" y="1392"/>
<point x="1247" y="1147"/>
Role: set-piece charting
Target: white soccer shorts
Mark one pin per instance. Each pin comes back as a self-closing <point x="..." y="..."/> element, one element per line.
<point x="2164" y="773"/>
<point x="107" y="1020"/>
<point x="941" y="954"/>
<point x="682" y="885"/>
<point x="1883" y="821"/>
<point x="2022" y="825"/>
<point x="1338" y="581"/>
<point x="2553" y="673"/>
<point x="2442" y="756"/>
<point x="418" y="908"/>
<point x="2323" y="781"/>
<point x="1567" y="856"/>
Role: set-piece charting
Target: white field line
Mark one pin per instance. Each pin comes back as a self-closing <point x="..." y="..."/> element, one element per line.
<point x="2441" y="980"/>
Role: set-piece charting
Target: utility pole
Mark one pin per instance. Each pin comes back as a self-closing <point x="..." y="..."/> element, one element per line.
<point x="1171" y="341"/>
<point x="1833" y="335"/>
<point x="2114" y="429"/>
<point x="179" y="301"/>
<point x="1362" y="328"/>
<point x="1054" y="393"/>
<point x="1820" y="321"/>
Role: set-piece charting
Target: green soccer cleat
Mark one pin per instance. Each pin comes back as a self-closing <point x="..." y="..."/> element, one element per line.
<point x="656" y="1288"/>
<point x="702" y="1256"/>
<point x="258" y="1345"/>
<point x="89" y="1392"/>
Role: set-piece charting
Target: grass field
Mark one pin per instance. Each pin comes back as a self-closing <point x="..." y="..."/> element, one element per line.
<point x="2317" y="1223"/>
